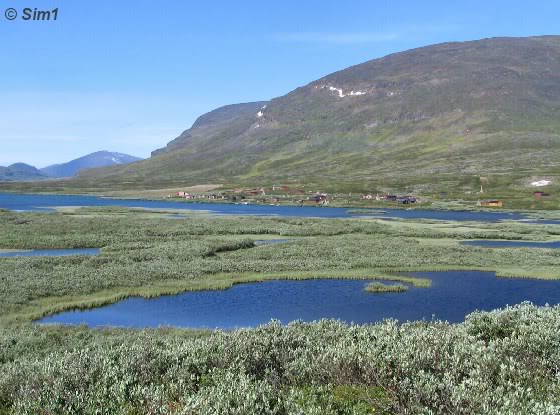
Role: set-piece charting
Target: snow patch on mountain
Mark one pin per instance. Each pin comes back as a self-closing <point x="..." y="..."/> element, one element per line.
<point x="117" y="158"/>
<point x="341" y="93"/>
<point x="261" y="112"/>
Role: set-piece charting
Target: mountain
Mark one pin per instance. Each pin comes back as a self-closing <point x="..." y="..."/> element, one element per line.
<point x="436" y="118"/>
<point x="93" y="160"/>
<point x="20" y="172"/>
<point x="216" y="125"/>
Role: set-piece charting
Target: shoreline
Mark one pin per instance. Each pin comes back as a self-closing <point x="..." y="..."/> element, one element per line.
<point x="154" y="257"/>
<point x="38" y="309"/>
<point x="545" y="214"/>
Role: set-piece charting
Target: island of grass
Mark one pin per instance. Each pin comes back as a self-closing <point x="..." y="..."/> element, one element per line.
<point x="379" y="287"/>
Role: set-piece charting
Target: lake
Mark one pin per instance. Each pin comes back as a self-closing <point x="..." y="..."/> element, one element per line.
<point x="47" y="203"/>
<point x="453" y="295"/>
<point x="51" y="252"/>
<point x="512" y="244"/>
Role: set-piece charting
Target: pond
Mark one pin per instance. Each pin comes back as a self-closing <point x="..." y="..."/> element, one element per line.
<point x="47" y="203"/>
<point x="51" y="252"/>
<point x="453" y="295"/>
<point x="261" y="242"/>
<point x="512" y="244"/>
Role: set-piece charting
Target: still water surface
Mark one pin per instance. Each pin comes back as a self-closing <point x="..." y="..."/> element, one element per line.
<point x="512" y="244"/>
<point x="52" y="252"/>
<point x="47" y="203"/>
<point x="452" y="296"/>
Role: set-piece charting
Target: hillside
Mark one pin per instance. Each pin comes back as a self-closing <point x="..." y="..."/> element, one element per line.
<point x="428" y="119"/>
<point x="94" y="160"/>
<point x="20" y="172"/>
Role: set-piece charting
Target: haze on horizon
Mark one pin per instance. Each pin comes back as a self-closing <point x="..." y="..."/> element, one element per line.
<point x="98" y="79"/>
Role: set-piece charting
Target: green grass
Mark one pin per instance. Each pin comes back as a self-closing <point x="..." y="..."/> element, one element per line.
<point x="378" y="287"/>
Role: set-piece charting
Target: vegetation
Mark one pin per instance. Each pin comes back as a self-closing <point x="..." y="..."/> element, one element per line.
<point x="144" y="253"/>
<point x="498" y="362"/>
<point x="379" y="287"/>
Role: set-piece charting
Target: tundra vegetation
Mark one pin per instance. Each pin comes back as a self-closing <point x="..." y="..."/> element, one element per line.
<point x="379" y="287"/>
<point x="504" y="361"/>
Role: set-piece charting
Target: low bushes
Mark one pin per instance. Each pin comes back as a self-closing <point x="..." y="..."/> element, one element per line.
<point x="501" y="362"/>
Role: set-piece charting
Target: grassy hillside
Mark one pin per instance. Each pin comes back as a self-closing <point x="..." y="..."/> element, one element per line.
<point x="429" y="119"/>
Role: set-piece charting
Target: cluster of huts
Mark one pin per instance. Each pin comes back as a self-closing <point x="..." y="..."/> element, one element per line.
<point x="212" y="196"/>
<point x="405" y="200"/>
<point x="318" y="198"/>
<point x="258" y="194"/>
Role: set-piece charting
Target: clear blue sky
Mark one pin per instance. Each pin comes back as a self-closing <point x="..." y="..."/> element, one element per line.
<point x="129" y="76"/>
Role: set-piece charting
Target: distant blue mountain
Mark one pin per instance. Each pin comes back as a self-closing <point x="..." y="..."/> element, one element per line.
<point x="25" y="173"/>
<point x="93" y="160"/>
<point x="20" y="172"/>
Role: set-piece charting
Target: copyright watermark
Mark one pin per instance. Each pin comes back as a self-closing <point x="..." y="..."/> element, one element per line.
<point x="11" y="14"/>
<point x="31" y="14"/>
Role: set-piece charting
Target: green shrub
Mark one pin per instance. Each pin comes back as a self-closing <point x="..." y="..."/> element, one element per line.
<point x="325" y="367"/>
<point x="379" y="287"/>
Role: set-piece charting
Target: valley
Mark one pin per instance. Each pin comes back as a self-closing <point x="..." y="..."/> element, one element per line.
<point x="440" y="122"/>
<point x="382" y="239"/>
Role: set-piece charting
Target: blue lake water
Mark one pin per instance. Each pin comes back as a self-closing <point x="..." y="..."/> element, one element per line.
<point x="46" y="203"/>
<point x="261" y="242"/>
<point x="452" y="296"/>
<point x="512" y="244"/>
<point x="51" y="252"/>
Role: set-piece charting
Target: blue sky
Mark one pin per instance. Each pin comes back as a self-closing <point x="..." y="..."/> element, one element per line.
<point x="130" y="76"/>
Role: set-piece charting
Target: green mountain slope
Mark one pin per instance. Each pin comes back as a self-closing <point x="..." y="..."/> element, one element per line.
<point x="431" y="118"/>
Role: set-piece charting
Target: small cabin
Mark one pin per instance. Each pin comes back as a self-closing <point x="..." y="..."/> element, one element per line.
<point x="492" y="203"/>
<point x="255" y="192"/>
<point x="405" y="200"/>
<point x="539" y="194"/>
<point x="321" y="198"/>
